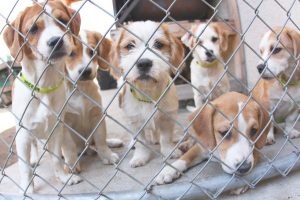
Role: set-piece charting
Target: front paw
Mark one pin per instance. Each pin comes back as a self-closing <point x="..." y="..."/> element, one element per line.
<point x="167" y="175"/>
<point x="138" y="162"/>
<point x="76" y="170"/>
<point x="74" y="180"/>
<point x="294" y="134"/>
<point x="113" y="158"/>
<point x="239" y="191"/>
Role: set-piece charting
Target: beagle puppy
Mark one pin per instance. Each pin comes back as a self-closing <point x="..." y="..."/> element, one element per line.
<point x="229" y="128"/>
<point x="85" y="104"/>
<point x="40" y="44"/>
<point x="146" y="69"/>
<point x="280" y="54"/>
<point x="211" y="43"/>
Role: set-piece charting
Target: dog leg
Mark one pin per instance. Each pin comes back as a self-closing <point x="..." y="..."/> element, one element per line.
<point x="166" y="128"/>
<point x="141" y="153"/>
<point x="289" y="123"/>
<point x="23" y="146"/>
<point x="34" y="155"/>
<point x="104" y="152"/>
<point x="197" y="98"/>
<point x="55" y="145"/>
<point x="271" y="137"/>
<point x="187" y="160"/>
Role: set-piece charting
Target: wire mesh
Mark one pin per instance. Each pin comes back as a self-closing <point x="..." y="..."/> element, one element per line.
<point x="34" y="148"/>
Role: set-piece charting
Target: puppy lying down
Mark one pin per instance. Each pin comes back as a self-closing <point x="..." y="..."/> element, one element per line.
<point x="234" y="144"/>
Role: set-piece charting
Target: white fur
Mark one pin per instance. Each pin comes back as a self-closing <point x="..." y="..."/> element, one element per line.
<point x="241" y="150"/>
<point x="168" y="174"/>
<point x="38" y="119"/>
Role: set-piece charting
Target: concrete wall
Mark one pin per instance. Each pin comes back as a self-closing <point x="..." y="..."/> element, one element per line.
<point x="273" y="15"/>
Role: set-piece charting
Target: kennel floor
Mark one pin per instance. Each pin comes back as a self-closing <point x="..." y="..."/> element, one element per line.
<point x="96" y="174"/>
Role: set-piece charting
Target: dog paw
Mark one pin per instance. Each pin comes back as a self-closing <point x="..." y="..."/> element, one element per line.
<point x="74" y="180"/>
<point x="113" y="158"/>
<point x="294" y="134"/>
<point x="137" y="162"/>
<point x="167" y="175"/>
<point x="176" y="154"/>
<point x="76" y="170"/>
<point x="114" y="143"/>
<point x="239" y="191"/>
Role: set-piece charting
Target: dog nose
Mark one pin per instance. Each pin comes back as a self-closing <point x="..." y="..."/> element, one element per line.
<point x="55" y="42"/>
<point x="209" y="53"/>
<point x="244" y="168"/>
<point x="144" y="64"/>
<point x="85" y="74"/>
<point x="260" y="68"/>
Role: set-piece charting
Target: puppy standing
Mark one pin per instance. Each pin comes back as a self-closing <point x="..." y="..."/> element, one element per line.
<point x="46" y="40"/>
<point x="282" y="62"/>
<point x="151" y="75"/>
<point x="206" y="70"/>
<point x="210" y="127"/>
<point x="84" y="114"/>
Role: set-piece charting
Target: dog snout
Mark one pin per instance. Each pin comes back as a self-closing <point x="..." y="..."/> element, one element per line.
<point x="144" y="65"/>
<point x="209" y="53"/>
<point x="244" y="168"/>
<point x="260" y="68"/>
<point x="55" y="42"/>
<point x="86" y="73"/>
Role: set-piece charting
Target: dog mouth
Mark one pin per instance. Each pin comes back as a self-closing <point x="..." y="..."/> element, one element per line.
<point x="146" y="77"/>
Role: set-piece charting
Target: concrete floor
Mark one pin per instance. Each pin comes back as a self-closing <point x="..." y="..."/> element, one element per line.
<point x="96" y="174"/>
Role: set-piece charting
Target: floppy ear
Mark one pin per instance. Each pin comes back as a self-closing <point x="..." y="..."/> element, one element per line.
<point x="114" y="57"/>
<point x="13" y="39"/>
<point x="76" y="21"/>
<point x="177" y="51"/>
<point x="203" y="126"/>
<point x="295" y="37"/>
<point x="225" y="33"/>
<point x="263" y="118"/>
<point x="187" y="39"/>
<point x="103" y="51"/>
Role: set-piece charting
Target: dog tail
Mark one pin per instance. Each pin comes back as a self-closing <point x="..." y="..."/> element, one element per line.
<point x="69" y="2"/>
<point x="191" y="108"/>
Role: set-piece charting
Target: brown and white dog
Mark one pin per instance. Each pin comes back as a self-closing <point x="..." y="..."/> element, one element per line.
<point x="147" y="77"/>
<point x="39" y="93"/>
<point x="210" y="42"/>
<point x="236" y="144"/>
<point x="281" y="60"/>
<point x="85" y="104"/>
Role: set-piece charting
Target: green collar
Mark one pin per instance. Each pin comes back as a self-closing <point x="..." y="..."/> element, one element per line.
<point x="206" y="64"/>
<point x="143" y="98"/>
<point x="37" y="89"/>
<point x="290" y="84"/>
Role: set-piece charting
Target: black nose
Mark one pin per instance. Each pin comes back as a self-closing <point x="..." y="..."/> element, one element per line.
<point x="86" y="74"/>
<point x="260" y="68"/>
<point x="244" y="168"/>
<point x="55" y="42"/>
<point x="144" y="65"/>
<point x="209" y="53"/>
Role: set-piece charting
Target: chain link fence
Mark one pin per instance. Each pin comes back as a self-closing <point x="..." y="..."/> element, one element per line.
<point x="119" y="180"/>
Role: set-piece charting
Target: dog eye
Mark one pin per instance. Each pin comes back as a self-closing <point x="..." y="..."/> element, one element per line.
<point x="91" y="52"/>
<point x="34" y="28"/>
<point x="129" y="46"/>
<point x="253" y="132"/>
<point x="214" y="39"/>
<point x="63" y="21"/>
<point x="223" y="134"/>
<point x="158" y="44"/>
<point x="73" y="54"/>
<point x="276" y="50"/>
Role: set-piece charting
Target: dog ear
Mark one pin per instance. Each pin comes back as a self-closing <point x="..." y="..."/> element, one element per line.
<point x="263" y="119"/>
<point x="114" y="56"/>
<point x="203" y="126"/>
<point x="103" y="50"/>
<point x="225" y="33"/>
<point x="13" y="39"/>
<point x="187" y="38"/>
<point x="76" y="21"/>
<point x="295" y="37"/>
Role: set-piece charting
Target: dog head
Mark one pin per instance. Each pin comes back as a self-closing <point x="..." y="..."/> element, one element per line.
<point x="212" y="126"/>
<point x="85" y="58"/>
<point x="45" y="35"/>
<point x="149" y="66"/>
<point x="213" y="41"/>
<point x="279" y="58"/>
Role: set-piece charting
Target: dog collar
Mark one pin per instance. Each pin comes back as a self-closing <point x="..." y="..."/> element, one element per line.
<point x="143" y="98"/>
<point x="38" y="89"/>
<point x="290" y="84"/>
<point x="206" y="64"/>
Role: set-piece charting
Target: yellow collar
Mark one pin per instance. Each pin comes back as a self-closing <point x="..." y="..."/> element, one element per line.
<point x="290" y="84"/>
<point x="206" y="64"/>
<point x="143" y="98"/>
<point x="37" y="89"/>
